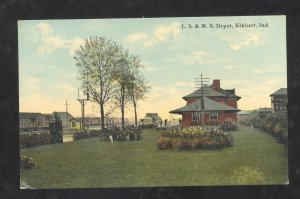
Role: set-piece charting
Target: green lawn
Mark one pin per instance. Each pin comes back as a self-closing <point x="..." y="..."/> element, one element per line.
<point x="255" y="158"/>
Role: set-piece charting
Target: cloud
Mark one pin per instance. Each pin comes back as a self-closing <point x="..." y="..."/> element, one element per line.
<point x="164" y="31"/>
<point x="137" y="37"/>
<point x="51" y="41"/>
<point x="74" y="44"/>
<point x="244" y="39"/>
<point x="160" y="34"/>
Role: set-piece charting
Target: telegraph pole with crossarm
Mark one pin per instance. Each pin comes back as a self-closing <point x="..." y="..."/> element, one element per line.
<point x="67" y="113"/>
<point x="201" y="86"/>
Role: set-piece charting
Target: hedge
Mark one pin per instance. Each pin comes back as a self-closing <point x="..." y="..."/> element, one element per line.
<point x="34" y="139"/>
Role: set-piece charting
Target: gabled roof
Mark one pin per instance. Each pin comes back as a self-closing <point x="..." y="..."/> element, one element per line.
<point x="209" y="105"/>
<point x="281" y="91"/>
<point x="27" y="115"/>
<point x="208" y="91"/>
<point x="63" y="115"/>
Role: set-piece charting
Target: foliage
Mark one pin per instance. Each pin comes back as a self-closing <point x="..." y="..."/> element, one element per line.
<point x="107" y="73"/>
<point x="147" y="126"/>
<point x="26" y="162"/>
<point x="80" y="135"/>
<point x="228" y="126"/>
<point x="94" y="133"/>
<point x="273" y="123"/>
<point x="131" y="133"/>
<point x="34" y="139"/>
<point x="128" y="133"/>
<point x="195" y="138"/>
<point x="138" y="87"/>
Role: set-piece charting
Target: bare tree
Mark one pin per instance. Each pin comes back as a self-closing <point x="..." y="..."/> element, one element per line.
<point x="137" y="86"/>
<point x="122" y="78"/>
<point x="96" y="59"/>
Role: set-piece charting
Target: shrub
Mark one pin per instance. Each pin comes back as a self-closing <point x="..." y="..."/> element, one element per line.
<point x="34" y="139"/>
<point x="228" y="126"/>
<point x="273" y="123"/>
<point x="94" y="133"/>
<point x="129" y="133"/>
<point x="148" y="126"/>
<point x="80" y="135"/>
<point x="26" y="162"/>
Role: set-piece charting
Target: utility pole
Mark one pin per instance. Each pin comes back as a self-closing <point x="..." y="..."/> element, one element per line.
<point x="200" y="86"/>
<point x="82" y="103"/>
<point x="67" y="113"/>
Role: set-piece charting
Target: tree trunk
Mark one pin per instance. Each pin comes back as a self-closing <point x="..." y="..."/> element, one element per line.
<point x="135" y="113"/>
<point x="123" y="106"/>
<point x="102" y="115"/>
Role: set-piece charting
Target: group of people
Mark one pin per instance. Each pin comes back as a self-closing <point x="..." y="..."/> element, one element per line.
<point x="159" y="123"/>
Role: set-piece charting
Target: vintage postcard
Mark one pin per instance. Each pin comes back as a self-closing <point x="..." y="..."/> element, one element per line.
<point x="152" y="102"/>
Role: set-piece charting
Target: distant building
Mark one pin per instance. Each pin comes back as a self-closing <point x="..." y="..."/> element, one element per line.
<point x="28" y="121"/>
<point x="219" y="105"/>
<point x="65" y="117"/>
<point x="153" y="118"/>
<point x="95" y="122"/>
<point x="263" y="112"/>
<point x="243" y="115"/>
<point x="279" y="100"/>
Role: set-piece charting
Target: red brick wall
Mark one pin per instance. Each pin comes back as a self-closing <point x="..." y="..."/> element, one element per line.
<point x="222" y="116"/>
<point x="232" y="102"/>
<point x="232" y="116"/>
<point x="191" y="100"/>
<point x="216" y="84"/>
<point x="186" y="119"/>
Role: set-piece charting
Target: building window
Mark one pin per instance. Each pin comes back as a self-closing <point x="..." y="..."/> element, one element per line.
<point x="73" y="124"/>
<point x="196" y="116"/>
<point x="213" y="116"/>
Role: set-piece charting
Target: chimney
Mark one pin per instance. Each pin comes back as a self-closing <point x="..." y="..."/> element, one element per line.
<point x="216" y="84"/>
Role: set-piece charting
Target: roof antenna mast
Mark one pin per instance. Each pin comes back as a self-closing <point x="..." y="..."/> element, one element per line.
<point x="201" y="84"/>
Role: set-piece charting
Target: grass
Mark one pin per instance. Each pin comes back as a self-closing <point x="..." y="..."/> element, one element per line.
<point x="255" y="158"/>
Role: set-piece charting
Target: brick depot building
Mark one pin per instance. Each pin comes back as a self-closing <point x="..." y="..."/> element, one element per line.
<point x="219" y="105"/>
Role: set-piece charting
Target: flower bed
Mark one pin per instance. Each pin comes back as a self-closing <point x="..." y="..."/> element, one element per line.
<point x="195" y="138"/>
<point x="26" y="162"/>
<point x="129" y="133"/>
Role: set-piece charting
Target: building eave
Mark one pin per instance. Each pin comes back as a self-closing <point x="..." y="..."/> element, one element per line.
<point x="209" y="106"/>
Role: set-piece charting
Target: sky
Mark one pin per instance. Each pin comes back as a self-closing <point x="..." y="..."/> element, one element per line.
<point x="250" y="59"/>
